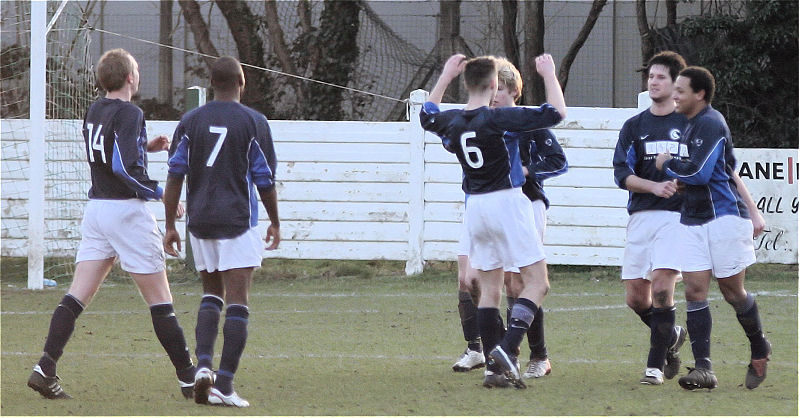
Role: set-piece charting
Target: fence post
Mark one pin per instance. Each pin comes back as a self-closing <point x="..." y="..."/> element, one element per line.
<point x="195" y="97"/>
<point x="416" y="185"/>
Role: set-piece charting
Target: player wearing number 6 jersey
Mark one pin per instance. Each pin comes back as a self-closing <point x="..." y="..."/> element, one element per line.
<point x="117" y="224"/>
<point x="499" y="218"/>
<point x="225" y="150"/>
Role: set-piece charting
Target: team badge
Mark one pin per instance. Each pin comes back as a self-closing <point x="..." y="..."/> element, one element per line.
<point x="675" y="134"/>
<point x="698" y="142"/>
<point x="548" y="142"/>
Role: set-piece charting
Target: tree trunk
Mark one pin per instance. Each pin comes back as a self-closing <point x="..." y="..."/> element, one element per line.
<point x="672" y="12"/>
<point x="338" y="31"/>
<point x="244" y="28"/>
<point x="449" y="32"/>
<point x="191" y="12"/>
<point x="279" y="46"/>
<point x="577" y="44"/>
<point x="533" y="86"/>
<point x="510" y="40"/>
<point x="165" y="54"/>
<point x="646" y="37"/>
<point x="311" y="48"/>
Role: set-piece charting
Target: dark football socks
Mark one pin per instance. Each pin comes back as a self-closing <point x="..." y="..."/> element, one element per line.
<point x="698" y="323"/>
<point x="61" y="326"/>
<point x="646" y="315"/>
<point x="170" y="335"/>
<point x="235" y="333"/>
<point x="536" y="336"/>
<point x="662" y="323"/>
<point x="491" y="328"/>
<point x="522" y="314"/>
<point x="206" y="330"/>
<point x="747" y="314"/>
<point x="468" y="313"/>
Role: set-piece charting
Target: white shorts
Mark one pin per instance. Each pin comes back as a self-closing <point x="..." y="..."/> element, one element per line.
<point x="125" y="229"/>
<point x="540" y="221"/>
<point x="225" y="254"/>
<point x="654" y="239"/>
<point x="723" y="245"/>
<point x="501" y="231"/>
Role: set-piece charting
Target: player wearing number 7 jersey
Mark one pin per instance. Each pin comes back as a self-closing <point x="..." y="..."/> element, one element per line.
<point x="225" y="150"/>
<point x="499" y="218"/>
<point x="117" y="224"/>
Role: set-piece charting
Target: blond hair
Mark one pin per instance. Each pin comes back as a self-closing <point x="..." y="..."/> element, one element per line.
<point x="508" y="76"/>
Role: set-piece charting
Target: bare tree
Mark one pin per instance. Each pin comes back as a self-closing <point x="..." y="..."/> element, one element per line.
<point x="191" y="12"/>
<point x="510" y="39"/>
<point x="646" y="36"/>
<point x="533" y="86"/>
<point x="165" y="54"/>
<point x="577" y="44"/>
<point x="244" y="29"/>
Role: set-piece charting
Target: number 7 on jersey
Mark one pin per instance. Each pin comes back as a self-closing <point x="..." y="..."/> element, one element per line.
<point x="222" y="132"/>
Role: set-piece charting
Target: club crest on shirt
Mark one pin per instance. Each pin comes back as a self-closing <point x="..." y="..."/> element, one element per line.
<point x="675" y="134"/>
<point x="548" y="142"/>
<point x="698" y="142"/>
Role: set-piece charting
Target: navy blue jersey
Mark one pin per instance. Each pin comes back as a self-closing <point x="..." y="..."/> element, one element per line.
<point x="707" y="170"/>
<point x="224" y="149"/>
<point x="541" y="153"/>
<point x="641" y="139"/>
<point x="489" y="159"/>
<point x="116" y="147"/>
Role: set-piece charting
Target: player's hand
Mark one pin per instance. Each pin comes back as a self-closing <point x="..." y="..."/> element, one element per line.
<point x="274" y="234"/>
<point x="661" y="159"/>
<point x="171" y="237"/>
<point x="159" y="143"/>
<point x="759" y="224"/>
<point x="665" y="189"/>
<point x="545" y="65"/>
<point x="454" y="66"/>
<point x="180" y="211"/>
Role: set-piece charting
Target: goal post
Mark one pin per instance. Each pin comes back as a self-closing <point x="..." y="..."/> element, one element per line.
<point x="36" y="144"/>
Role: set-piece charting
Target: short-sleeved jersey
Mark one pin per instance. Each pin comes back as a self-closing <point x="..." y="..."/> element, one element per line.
<point x="541" y="153"/>
<point x="641" y="139"/>
<point x="489" y="161"/>
<point x="224" y="149"/>
<point x="115" y="138"/>
<point x="707" y="169"/>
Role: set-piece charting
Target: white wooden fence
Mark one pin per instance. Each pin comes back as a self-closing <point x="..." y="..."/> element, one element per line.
<point x="352" y="190"/>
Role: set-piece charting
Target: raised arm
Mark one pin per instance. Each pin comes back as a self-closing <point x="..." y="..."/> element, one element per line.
<point x="452" y="68"/>
<point x="547" y="69"/>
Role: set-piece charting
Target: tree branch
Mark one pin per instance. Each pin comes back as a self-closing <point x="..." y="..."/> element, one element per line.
<point x="569" y="58"/>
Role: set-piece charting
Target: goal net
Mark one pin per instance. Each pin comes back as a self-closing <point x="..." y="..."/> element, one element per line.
<point x="69" y="90"/>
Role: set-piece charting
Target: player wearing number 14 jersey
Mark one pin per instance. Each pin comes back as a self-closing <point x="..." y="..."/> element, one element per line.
<point x="117" y="225"/>
<point x="499" y="218"/>
<point x="225" y="150"/>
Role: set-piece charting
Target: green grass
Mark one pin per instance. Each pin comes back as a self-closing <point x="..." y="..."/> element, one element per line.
<point x="360" y="338"/>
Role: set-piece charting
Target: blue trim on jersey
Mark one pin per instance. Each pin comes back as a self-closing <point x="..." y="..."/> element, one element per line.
<point x="118" y="167"/>
<point x="179" y="161"/>
<point x="704" y="172"/>
<point x="262" y="174"/>
<point x="515" y="175"/>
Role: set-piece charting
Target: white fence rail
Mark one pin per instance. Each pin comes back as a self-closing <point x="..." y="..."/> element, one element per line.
<point x="368" y="190"/>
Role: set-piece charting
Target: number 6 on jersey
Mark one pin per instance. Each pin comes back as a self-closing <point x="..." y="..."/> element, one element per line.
<point x="478" y="162"/>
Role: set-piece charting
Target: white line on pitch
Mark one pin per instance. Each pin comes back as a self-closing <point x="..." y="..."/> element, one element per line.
<point x="356" y="356"/>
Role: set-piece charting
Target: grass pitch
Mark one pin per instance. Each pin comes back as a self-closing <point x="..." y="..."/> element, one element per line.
<point x="360" y="338"/>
